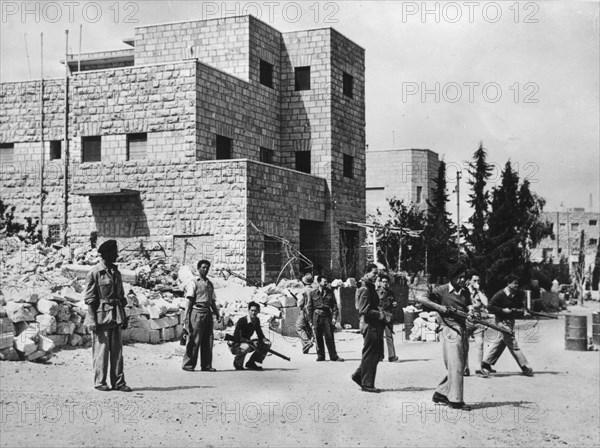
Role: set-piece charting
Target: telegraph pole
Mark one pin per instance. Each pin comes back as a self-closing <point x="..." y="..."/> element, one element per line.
<point x="458" y="211"/>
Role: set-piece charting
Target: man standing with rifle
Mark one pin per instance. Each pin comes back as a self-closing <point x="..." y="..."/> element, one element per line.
<point x="502" y="305"/>
<point x="387" y="303"/>
<point x="477" y="330"/>
<point x="443" y="299"/>
<point x="303" y="323"/>
<point x="323" y="311"/>
<point x="241" y="344"/>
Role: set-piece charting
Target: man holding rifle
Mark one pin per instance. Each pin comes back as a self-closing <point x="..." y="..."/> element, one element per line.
<point x="503" y="305"/>
<point x="241" y="344"/>
<point x="443" y="299"/>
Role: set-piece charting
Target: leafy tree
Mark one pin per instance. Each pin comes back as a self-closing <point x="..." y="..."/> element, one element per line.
<point x="440" y="230"/>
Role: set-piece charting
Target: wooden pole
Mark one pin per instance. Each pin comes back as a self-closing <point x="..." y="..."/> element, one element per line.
<point x="66" y="145"/>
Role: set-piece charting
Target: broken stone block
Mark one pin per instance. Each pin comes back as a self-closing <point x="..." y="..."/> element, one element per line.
<point x="65" y="327"/>
<point x="36" y="355"/>
<point x="75" y="340"/>
<point x="9" y="354"/>
<point x="178" y="331"/>
<point x="38" y="329"/>
<point x="76" y="319"/>
<point x="47" y="322"/>
<point x="82" y="329"/>
<point x="46" y="344"/>
<point x="24" y="345"/>
<point x="6" y="325"/>
<point x="58" y="339"/>
<point x="127" y="335"/>
<point x="154" y="312"/>
<point x="47" y="307"/>
<point x="140" y="335"/>
<point x="19" y="312"/>
<point x="87" y="339"/>
<point x="167" y="334"/>
<point x="154" y="337"/>
<point x="56" y="298"/>
<point x="6" y="340"/>
<point x="64" y="313"/>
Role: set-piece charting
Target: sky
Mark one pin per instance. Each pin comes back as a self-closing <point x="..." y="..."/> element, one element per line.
<point x="521" y="77"/>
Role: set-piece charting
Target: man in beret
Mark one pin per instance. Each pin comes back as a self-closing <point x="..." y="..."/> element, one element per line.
<point x="106" y="303"/>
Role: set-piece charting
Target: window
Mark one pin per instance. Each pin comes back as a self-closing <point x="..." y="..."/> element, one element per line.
<point x="7" y="153"/>
<point x="223" y="148"/>
<point x="574" y="226"/>
<point x="348" y="85"/>
<point x="302" y="78"/>
<point x="348" y="166"/>
<point x="562" y="225"/>
<point x="266" y="74"/>
<point x="419" y="195"/>
<point x="272" y="254"/>
<point x="559" y="250"/>
<point x="55" y="149"/>
<point x="593" y="241"/>
<point x="593" y="222"/>
<point x="90" y="149"/>
<point x="54" y="233"/>
<point x="137" y="146"/>
<point x="303" y="161"/>
<point x="266" y="155"/>
<point x="546" y="254"/>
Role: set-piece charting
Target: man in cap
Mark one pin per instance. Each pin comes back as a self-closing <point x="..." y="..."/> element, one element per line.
<point x="303" y="323"/>
<point x="323" y="312"/>
<point x="454" y="334"/>
<point x="106" y="303"/>
<point x="202" y="301"/>
<point x="372" y="323"/>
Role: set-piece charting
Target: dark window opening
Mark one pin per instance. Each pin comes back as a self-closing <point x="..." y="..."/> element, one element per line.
<point x="223" y="148"/>
<point x="593" y="222"/>
<point x="272" y="254"/>
<point x="7" y="152"/>
<point x="303" y="161"/>
<point x="55" y="150"/>
<point x="266" y="74"/>
<point x="419" y="195"/>
<point x="91" y="149"/>
<point x="574" y="226"/>
<point x="348" y="166"/>
<point x="302" y="78"/>
<point x="348" y="85"/>
<point x="593" y="241"/>
<point x="266" y="155"/>
<point x="137" y="146"/>
<point x="54" y="233"/>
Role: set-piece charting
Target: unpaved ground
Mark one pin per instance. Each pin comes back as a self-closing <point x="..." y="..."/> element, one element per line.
<point x="304" y="403"/>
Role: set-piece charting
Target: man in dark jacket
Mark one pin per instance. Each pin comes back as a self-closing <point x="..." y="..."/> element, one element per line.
<point x="372" y="323"/>
<point x="387" y="303"/>
<point x="245" y="327"/>
<point x="303" y="322"/>
<point x="106" y="303"/>
<point x="323" y="312"/>
<point x="502" y="305"/>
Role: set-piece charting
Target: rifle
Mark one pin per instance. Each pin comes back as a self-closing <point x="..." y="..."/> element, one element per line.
<point x="457" y="313"/>
<point x="521" y="311"/>
<point x="229" y="337"/>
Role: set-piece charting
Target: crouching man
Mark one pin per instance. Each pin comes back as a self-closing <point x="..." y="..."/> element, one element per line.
<point x="242" y="343"/>
<point x="106" y="303"/>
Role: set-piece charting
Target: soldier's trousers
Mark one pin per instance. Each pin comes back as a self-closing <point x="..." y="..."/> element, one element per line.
<point x="241" y="350"/>
<point x="199" y="340"/>
<point x="304" y="330"/>
<point x="371" y="353"/>
<point x="108" y="348"/>
<point x="478" y="332"/>
<point x="455" y="343"/>
<point x="389" y="340"/>
<point x="503" y="341"/>
<point x="324" y="330"/>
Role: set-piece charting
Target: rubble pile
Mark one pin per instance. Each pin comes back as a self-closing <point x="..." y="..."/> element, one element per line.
<point x="425" y="327"/>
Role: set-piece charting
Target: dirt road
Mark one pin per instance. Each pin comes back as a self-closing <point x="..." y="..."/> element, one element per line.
<point x="304" y="403"/>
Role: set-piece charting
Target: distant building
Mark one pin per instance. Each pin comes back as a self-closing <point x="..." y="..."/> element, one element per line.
<point x="407" y="174"/>
<point x="567" y="226"/>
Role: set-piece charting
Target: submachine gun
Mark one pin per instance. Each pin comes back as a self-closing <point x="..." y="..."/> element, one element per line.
<point x="453" y="312"/>
<point x="520" y="314"/>
<point x="252" y="343"/>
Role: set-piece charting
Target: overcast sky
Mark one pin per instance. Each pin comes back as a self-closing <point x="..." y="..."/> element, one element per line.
<point x="523" y="77"/>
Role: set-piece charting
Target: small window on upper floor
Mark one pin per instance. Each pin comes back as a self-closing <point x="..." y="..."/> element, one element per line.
<point x="7" y="153"/>
<point x="302" y="78"/>
<point x="223" y="147"/>
<point x="266" y="74"/>
<point x="593" y="241"/>
<point x="91" y="149"/>
<point x="348" y="85"/>
<point x="266" y="155"/>
<point x="55" y="150"/>
<point x="303" y="161"/>
<point x="137" y="146"/>
<point x="574" y="226"/>
<point x="348" y="166"/>
<point x="593" y="222"/>
<point x="419" y="195"/>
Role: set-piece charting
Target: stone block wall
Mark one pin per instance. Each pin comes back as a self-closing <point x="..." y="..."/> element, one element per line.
<point x="220" y="43"/>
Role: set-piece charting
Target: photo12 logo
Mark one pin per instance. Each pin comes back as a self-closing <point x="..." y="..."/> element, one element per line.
<point x="54" y="12"/>
<point x="291" y="12"/>
<point x="470" y="91"/>
<point x="471" y="12"/>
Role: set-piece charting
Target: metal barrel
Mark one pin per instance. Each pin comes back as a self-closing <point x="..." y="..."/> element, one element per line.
<point x="576" y="333"/>
<point x="596" y="329"/>
<point x="409" y="317"/>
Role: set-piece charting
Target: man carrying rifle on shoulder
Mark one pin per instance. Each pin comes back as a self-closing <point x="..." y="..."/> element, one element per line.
<point x="502" y="305"/>
<point x="443" y="299"/>
<point x="241" y="344"/>
<point x="477" y="330"/>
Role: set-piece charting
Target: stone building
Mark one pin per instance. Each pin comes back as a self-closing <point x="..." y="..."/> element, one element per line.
<point x="567" y="226"/>
<point x="406" y="174"/>
<point x="202" y="137"/>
